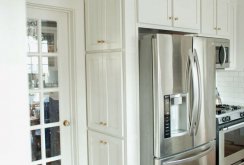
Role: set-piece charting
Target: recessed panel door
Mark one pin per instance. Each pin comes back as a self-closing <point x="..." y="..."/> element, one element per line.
<point x="49" y="84"/>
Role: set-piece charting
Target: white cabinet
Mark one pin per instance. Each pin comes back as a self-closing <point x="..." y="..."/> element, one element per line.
<point x="105" y="150"/>
<point x="223" y="17"/>
<point x="233" y="31"/>
<point x="103" y="24"/>
<point x="216" y="17"/>
<point x="158" y="12"/>
<point x="172" y="13"/>
<point x="186" y="14"/>
<point x="104" y="92"/>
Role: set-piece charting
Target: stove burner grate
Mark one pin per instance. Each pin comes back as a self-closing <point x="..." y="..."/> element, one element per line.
<point x="224" y="108"/>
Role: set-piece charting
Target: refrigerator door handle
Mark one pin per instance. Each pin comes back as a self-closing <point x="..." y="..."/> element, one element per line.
<point x="193" y="73"/>
<point x="199" y="90"/>
<point x="198" y="155"/>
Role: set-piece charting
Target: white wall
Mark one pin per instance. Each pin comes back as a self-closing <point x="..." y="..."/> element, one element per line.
<point x="231" y="86"/>
<point x="14" y="117"/>
<point x="231" y="83"/>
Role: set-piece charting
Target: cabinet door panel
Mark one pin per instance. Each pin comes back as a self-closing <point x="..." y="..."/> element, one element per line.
<point x="104" y="92"/>
<point x="209" y="24"/>
<point x="156" y="12"/>
<point x="98" y="152"/>
<point x="114" y="106"/>
<point x="113" y="37"/>
<point x="95" y="23"/>
<point x="223" y="17"/>
<point x="104" y="150"/>
<point x="103" y="24"/>
<point x="187" y="14"/>
<point x="95" y="90"/>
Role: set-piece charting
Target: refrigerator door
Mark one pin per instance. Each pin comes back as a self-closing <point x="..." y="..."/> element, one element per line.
<point x="172" y="71"/>
<point x="203" y="155"/>
<point x="205" y="123"/>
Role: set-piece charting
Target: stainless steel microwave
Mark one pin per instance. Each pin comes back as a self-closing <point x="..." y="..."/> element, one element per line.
<point x="222" y="51"/>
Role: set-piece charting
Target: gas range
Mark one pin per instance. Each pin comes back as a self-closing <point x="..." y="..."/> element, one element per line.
<point x="227" y="113"/>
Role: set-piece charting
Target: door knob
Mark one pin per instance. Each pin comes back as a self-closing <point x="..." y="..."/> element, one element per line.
<point x="66" y="123"/>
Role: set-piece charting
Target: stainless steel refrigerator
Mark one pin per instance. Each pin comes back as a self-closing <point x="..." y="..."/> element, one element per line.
<point x="177" y="100"/>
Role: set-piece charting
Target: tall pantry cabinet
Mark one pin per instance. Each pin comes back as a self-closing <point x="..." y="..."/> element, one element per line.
<point x="104" y="75"/>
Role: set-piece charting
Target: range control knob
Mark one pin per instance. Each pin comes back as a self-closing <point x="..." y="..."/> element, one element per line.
<point x="226" y="119"/>
<point x="242" y="114"/>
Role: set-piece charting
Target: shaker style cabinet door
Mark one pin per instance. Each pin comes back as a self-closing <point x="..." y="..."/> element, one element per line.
<point x="103" y="24"/>
<point x="223" y="16"/>
<point x="157" y="12"/>
<point x="187" y="14"/>
<point x="105" y="150"/>
<point x="172" y="13"/>
<point x="209" y="22"/>
<point x="216" y="17"/>
<point x="104" y="92"/>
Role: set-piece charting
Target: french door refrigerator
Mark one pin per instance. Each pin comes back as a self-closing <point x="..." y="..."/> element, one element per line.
<point x="177" y="100"/>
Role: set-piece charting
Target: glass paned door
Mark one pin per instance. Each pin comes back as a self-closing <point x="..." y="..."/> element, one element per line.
<point x="48" y="77"/>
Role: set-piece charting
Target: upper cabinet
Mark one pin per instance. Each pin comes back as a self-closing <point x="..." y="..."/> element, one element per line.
<point x="216" y="17"/>
<point x="103" y="24"/>
<point x="170" y="13"/>
<point x="186" y="14"/>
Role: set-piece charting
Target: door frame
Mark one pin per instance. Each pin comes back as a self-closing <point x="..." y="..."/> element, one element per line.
<point x="77" y="86"/>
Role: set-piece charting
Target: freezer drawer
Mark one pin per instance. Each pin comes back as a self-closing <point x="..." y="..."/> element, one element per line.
<point x="203" y="155"/>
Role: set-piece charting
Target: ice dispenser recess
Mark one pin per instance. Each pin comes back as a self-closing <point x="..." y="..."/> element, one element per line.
<point x="175" y="115"/>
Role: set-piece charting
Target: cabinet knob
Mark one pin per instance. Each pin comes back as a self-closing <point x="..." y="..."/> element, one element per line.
<point x="170" y="18"/>
<point x="176" y="18"/>
<point x="103" y="142"/>
<point x="103" y="123"/>
<point x="215" y="28"/>
<point x="100" y="41"/>
<point x="219" y="28"/>
<point x="66" y="123"/>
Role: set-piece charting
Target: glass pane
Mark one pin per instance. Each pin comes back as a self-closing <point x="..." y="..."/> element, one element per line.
<point x="32" y="35"/>
<point x="51" y="107"/>
<point x="57" y="162"/>
<point x="36" y="144"/>
<point x="49" y="36"/>
<point x="50" y="72"/>
<point x="52" y="139"/>
<point x="33" y="72"/>
<point x="234" y="141"/>
<point x="34" y="104"/>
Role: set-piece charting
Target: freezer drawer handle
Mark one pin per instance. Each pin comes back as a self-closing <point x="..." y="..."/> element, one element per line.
<point x="189" y="159"/>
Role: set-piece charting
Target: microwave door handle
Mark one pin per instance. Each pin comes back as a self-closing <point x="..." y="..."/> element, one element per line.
<point x="225" y="55"/>
<point x="196" y="156"/>
<point x="199" y="90"/>
<point x="193" y="71"/>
